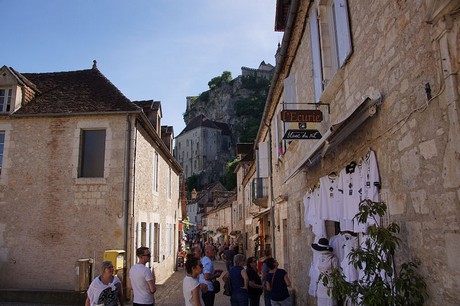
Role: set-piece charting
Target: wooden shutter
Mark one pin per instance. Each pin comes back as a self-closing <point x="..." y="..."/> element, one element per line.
<point x="316" y="56"/>
<point x="290" y="95"/>
<point x="262" y="159"/>
<point x="342" y="28"/>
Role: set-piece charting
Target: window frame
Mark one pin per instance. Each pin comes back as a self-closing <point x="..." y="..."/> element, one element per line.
<point x="6" y="99"/>
<point x="82" y="154"/>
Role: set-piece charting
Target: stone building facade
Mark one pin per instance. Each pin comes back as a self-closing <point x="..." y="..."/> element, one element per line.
<point x="385" y="77"/>
<point x="203" y="148"/>
<point x="83" y="170"/>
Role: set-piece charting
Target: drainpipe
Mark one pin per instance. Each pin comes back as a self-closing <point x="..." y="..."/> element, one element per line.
<point x="272" y="200"/>
<point x="126" y="195"/>
<point x="126" y="181"/>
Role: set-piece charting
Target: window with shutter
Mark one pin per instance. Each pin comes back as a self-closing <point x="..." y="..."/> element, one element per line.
<point x="331" y="43"/>
<point x="340" y="25"/>
<point x="290" y="94"/>
<point x="262" y="160"/>
<point x="316" y="56"/>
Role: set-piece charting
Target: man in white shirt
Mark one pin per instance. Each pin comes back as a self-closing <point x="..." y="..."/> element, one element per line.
<point x="142" y="279"/>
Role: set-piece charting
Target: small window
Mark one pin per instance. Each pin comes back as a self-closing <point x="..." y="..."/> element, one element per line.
<point x="5" y="100"/>
<point x="92" y="153"/>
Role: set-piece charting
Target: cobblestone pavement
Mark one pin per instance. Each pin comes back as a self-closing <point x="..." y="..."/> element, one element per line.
<point x="168" y="294"/>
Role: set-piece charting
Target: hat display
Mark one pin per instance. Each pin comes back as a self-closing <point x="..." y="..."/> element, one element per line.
<point x="322" y="245"/>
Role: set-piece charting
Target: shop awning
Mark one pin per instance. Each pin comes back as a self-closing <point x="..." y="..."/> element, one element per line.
<point x="255" y="236"/>
<point x="339" y="131"/>
<point x="260" y="213"/>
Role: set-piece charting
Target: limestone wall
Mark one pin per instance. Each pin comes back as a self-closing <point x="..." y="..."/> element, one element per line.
<point x="49" y="217"/>
<point x="398" y="52"/>
<point x="152" y="206"/>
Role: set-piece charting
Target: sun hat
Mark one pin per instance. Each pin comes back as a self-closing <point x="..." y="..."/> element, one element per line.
<point x="322" y="245"/>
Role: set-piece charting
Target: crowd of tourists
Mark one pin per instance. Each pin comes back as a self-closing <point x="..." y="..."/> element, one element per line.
<point x="244" y="282"/>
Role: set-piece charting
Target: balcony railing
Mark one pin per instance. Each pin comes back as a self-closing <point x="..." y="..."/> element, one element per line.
<point x="260" y="191"/>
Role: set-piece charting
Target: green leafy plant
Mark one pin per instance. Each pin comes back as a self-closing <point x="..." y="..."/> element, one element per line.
<point x="218" y="81"/>
<point x="193" y="182"/>
<point x="380" y="283"/>
<point x="229" y="179"/>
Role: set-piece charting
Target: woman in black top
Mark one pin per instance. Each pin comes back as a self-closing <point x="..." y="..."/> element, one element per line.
<point x="255" y="283"/>
<point x="277" y="283"/>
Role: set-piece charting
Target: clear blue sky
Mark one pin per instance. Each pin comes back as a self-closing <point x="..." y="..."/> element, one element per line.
<point x="164" y="50"/>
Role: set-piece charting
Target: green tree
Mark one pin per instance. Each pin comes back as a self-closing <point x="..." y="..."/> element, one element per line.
<point x="229" y="179"/>
<point x="250" y="111"/>
<point x="193" y="182"/>
<point x="380" y="283"/>
<point x="218" y="81"/>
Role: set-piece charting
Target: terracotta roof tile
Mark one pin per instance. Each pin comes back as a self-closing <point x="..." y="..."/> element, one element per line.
<point x="83" y="91"/>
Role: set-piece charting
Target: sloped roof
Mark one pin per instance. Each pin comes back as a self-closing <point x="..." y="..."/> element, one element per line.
<point x="83" y="91"/>
<point x="203" y="121"/>
<point x="281" y="14"/>
<point x="21" y="79"/>
<point x="149" y="105"/>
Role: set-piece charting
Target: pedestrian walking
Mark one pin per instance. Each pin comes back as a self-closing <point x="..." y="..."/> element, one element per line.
<point x="209" y="274"/>
<point x="229" y="254"/>
<point x="265" y="269"/>
<point x="191" y="286"/>
<point x="255" y="288"/>
<point x="240" y="281"/>
<point x="196" y="251"/>
<point x="142" y="279"/>
<point x="277" y="284"/>
<point x="105" y="289"/>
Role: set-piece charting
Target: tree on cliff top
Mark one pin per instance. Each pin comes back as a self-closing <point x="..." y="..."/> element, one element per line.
<point x="218" y="81"/>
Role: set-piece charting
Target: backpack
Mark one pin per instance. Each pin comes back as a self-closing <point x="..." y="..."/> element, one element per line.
<point x="228" y="287"/>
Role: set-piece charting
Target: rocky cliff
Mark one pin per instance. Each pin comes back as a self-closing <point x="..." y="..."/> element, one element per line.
<point x="239" y="103"/>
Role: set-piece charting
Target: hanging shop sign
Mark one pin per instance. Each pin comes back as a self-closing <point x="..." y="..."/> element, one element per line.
<point x="304" y="115"/>
<point x="302" y="134"/>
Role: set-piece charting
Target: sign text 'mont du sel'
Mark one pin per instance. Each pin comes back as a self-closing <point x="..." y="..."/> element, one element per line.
<point x="302" y="134"/>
